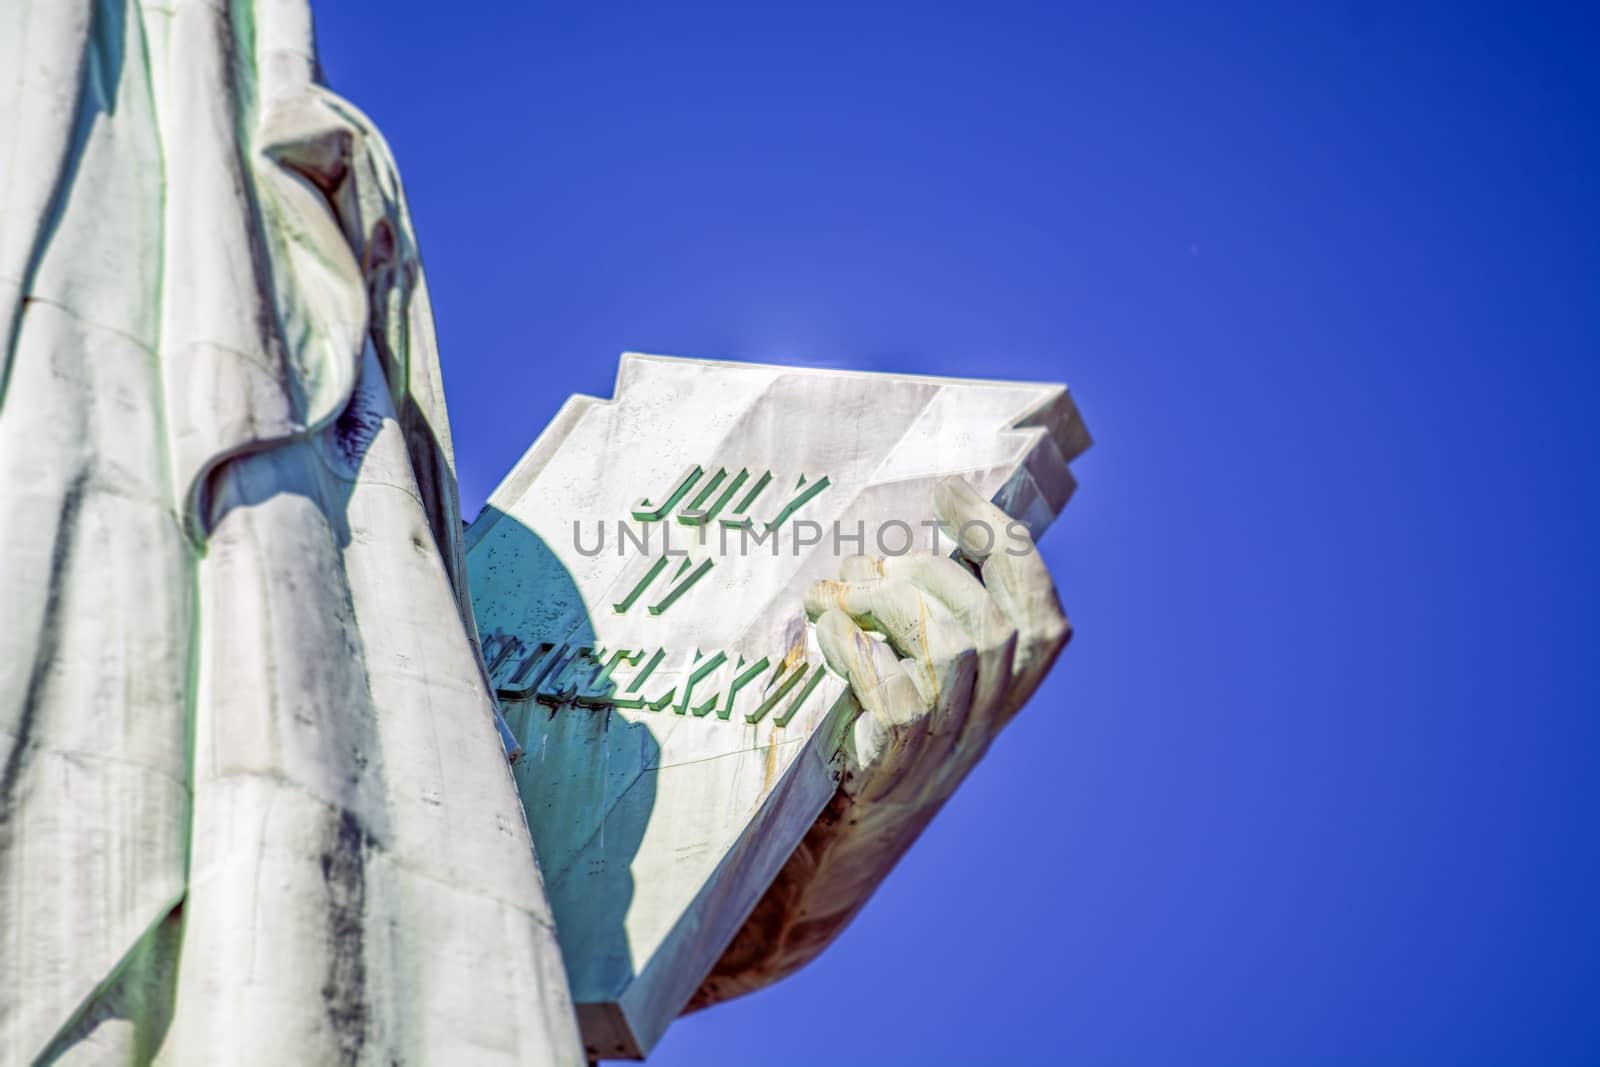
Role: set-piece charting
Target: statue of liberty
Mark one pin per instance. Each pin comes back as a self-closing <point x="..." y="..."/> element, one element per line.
<point x="254" y="804"/>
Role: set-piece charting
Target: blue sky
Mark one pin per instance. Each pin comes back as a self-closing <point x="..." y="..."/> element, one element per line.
<point x="1316" y="781"/>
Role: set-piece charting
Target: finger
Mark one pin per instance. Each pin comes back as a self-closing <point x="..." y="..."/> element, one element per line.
<point x="976" y="525"/>
<point x="938" y="655"/>
<point x="894" y="717"/>
<point x="1029" y="601"/>
<point x="859" y="569"/>
<point x="870" y="666"/>
<point x="986" y="626"/>
<point x="1015" y="576"/>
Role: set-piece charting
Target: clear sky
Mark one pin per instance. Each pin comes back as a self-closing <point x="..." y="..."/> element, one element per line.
<point x="1318" y="779"/>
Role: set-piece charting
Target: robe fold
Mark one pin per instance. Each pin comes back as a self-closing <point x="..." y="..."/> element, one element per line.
<point x="254" y="807"/>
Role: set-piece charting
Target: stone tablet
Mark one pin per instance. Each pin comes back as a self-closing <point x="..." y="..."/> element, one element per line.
<point x="638" y="582"/>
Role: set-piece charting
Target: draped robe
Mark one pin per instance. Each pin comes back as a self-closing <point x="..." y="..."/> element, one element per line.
<point x="253" y="804"/>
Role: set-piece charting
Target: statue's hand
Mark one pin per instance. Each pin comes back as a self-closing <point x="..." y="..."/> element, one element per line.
<point x="939" y="654"/>
<point x="938" y="659"/>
